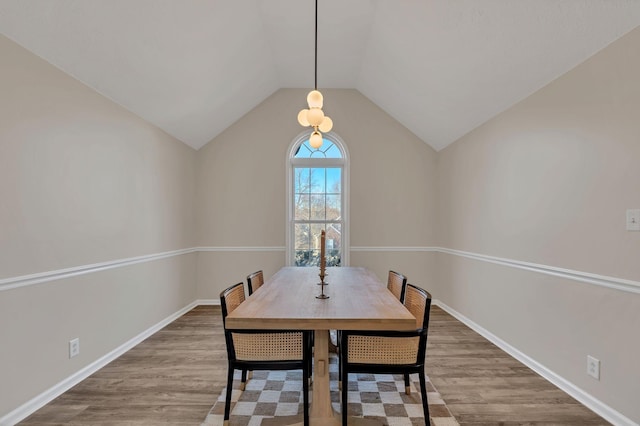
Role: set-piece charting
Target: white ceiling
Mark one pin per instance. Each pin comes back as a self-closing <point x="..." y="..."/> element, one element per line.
<point x="193" y="67"/>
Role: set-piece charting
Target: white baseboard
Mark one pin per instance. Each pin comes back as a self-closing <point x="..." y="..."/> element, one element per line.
<point x="214" y="302"/>
<point x="47" y="396"/>
<point x="583" y="397"/>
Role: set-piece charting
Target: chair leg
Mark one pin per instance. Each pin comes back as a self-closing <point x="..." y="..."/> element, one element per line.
<point x="345" y="390"/>
<point x="310" y="359"/>
<point x="423" y="391"/>
<point x="227" y="401"/>
<point x="306" y="373"/>
<point x="243" y="381"/>
<point x="339" y="334"/>
<point x="407" y="384"/>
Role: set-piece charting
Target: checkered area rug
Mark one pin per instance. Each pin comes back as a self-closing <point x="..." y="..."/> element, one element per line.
<point x="271" y="395"/>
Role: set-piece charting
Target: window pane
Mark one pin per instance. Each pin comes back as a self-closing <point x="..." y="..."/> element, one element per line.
<point x="302" y="237"/>
<point x="333" y="207"/>
<point x="333" y="241"/>
<point x="301" y="179"/>
<point x="332" y="151"/>
<point x="317" y="207"/>
<point x="334" y="180"/>
<point x="318" y="180"/>
<point x="327" y="150"/>
<point x="301" y="207"/>
<point x="333" y="245"/>
<point x="306" y="258"/>
<point x="304" y="150"/>
<point x="317" y="154"/>
<point x="316" y="230"/>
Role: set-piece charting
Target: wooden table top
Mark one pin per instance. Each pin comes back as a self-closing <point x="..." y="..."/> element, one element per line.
<point x="358" y="301"/>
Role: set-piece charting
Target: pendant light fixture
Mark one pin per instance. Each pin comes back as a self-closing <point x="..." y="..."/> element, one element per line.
<point x="314" y="116"/>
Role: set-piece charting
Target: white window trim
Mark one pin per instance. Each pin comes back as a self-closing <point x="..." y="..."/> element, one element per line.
<point x="343" y="162"/>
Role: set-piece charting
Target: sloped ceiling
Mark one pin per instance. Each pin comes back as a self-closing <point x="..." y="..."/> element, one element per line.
<point x="193" y="67"/>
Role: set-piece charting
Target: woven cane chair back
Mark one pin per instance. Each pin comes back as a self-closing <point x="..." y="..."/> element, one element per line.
<point x="396" y="283"/>
<point x="416" y="300"/>
<point x="268" y="346"/>
<point x="231" y="298"/>
<point x="255" y="281"/>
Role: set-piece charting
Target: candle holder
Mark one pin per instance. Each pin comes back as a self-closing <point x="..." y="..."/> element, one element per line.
<point x="322" y="283"/>
<point x="322" y="275"/>
<point x="323" y="264"/>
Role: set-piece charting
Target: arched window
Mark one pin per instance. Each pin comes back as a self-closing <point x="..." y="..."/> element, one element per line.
<point x="318" y="182"/>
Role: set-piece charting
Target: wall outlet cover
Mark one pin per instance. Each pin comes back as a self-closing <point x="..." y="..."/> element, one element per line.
<point x="74" y="347"/>
<point x="593" y="367"/>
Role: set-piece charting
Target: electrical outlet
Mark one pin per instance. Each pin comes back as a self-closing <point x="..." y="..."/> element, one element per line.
<point x="74" y="347"/>
<point x="593" y="367"/>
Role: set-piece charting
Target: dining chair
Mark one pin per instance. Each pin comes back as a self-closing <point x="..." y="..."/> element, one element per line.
<point x="255" y="281"/>
<point x="389" y="352"/>
<point x="263" y="350"/>
<point x="396" y="283"/>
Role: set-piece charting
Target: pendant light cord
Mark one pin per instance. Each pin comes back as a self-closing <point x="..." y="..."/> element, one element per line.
<point x="316" y="68"/>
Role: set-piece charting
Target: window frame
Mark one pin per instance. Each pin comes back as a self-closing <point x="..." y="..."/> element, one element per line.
<point x="342" y="163"/>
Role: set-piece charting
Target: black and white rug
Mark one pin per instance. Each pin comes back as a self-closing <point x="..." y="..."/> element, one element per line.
<point x="274" y="394"/>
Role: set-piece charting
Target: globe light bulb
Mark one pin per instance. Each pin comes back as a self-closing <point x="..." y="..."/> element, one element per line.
<point x="326" y="125"/>
<point x="314" y="99"/>
<point x="302" y="118"/>
<point x="315" y="140"/>
<point x="315" y="116"/>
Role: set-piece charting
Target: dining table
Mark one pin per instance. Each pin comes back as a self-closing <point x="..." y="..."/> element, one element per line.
<point x="289" y="300"/>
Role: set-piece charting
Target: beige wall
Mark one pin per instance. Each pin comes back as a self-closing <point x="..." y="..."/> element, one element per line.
<point x="241" y="187"/>
<point x="548" y="182"/>
<point x="82" y="181"/>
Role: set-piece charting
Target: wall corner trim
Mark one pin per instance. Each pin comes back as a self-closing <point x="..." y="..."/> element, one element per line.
<point x="583" y="397"/>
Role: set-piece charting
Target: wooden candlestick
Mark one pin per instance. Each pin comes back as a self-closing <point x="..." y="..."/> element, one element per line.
<point x="323" y="261"/>
<point x="323" y="265"/>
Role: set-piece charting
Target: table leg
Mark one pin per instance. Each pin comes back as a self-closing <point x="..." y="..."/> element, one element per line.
<point x="321" y="412"/>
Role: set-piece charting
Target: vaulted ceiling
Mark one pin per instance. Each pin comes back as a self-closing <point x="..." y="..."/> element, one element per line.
<point x="439" y="67"/>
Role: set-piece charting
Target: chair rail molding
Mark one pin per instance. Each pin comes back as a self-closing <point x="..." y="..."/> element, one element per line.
<point x="245" y="249"/>
<point x="42" y="277"/>
<point x="585" y="277"/>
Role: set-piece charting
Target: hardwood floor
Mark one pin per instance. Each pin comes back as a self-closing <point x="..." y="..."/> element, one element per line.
<point x="175" y="376"/>
<point x="483" y="385"/>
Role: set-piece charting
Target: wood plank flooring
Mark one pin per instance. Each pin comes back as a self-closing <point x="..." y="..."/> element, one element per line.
<point x="175" y="376"/>
<point x="483" y="385"/>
